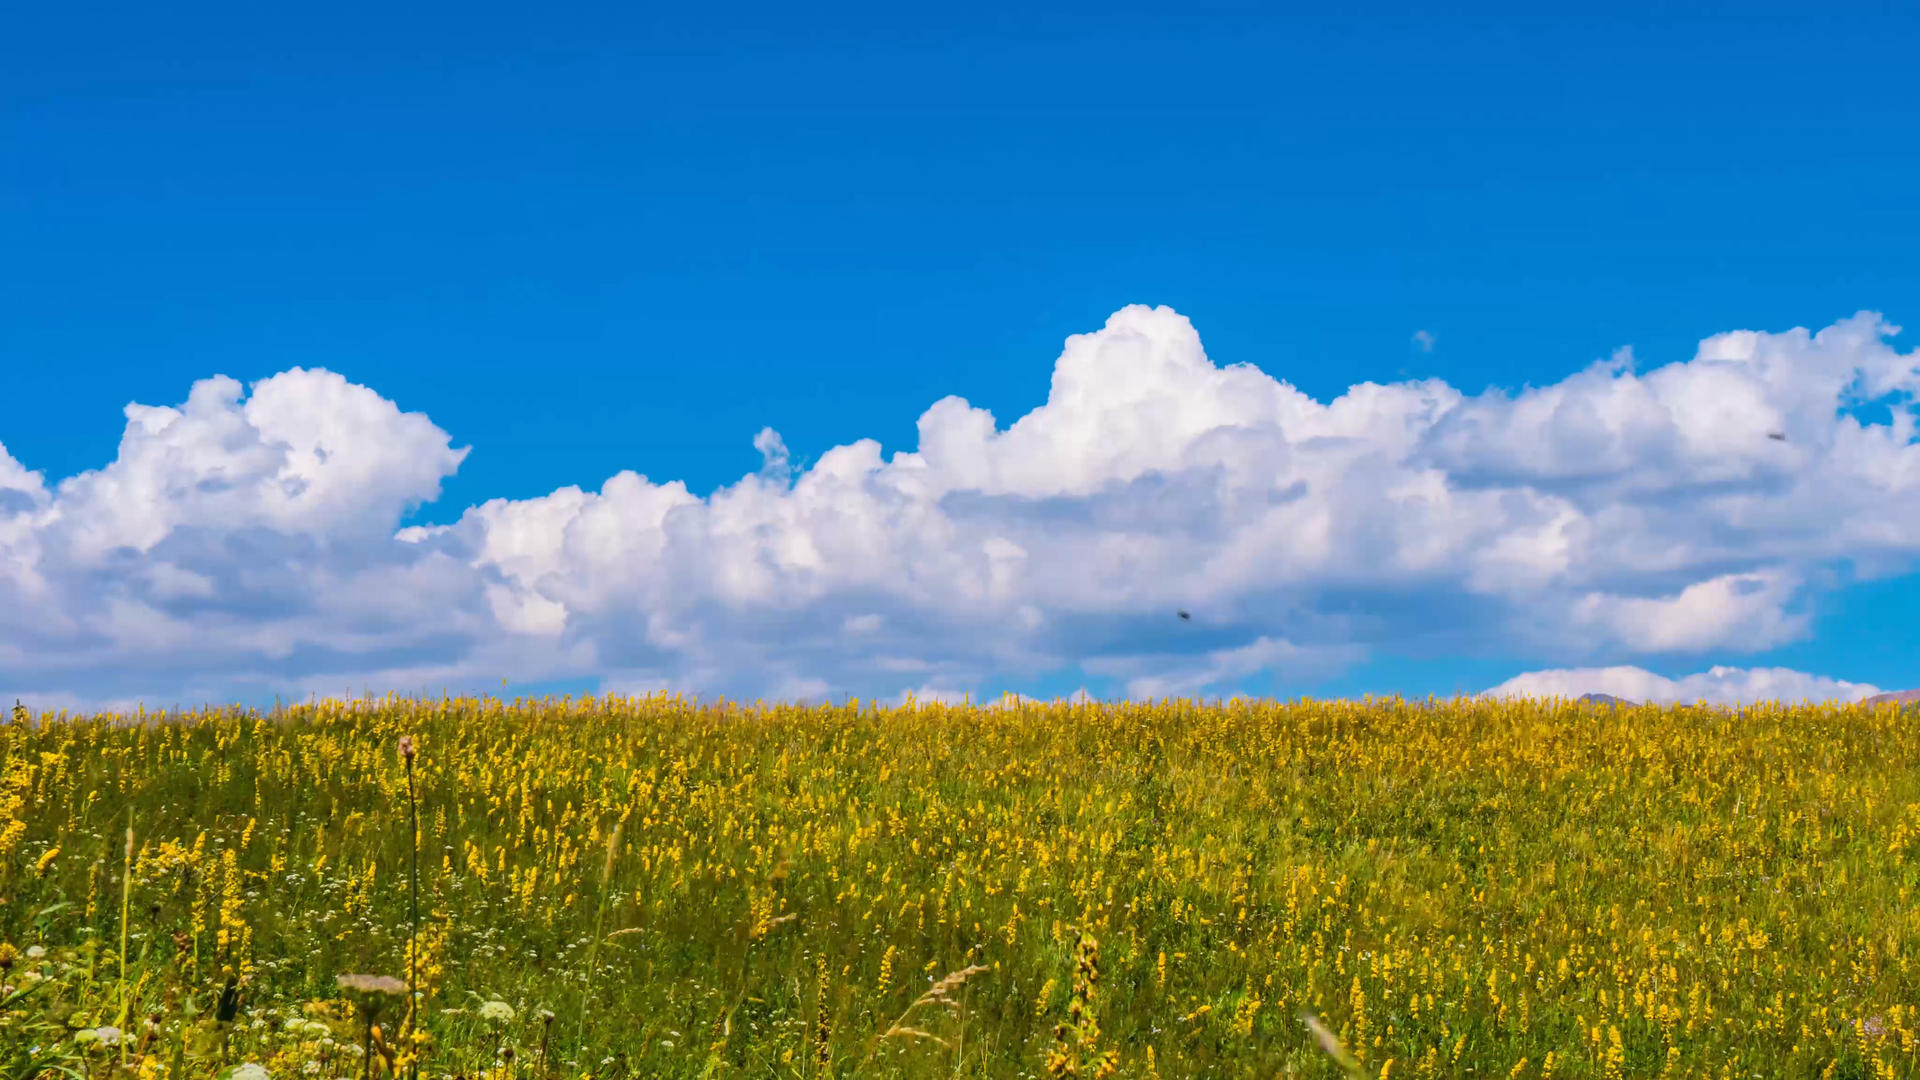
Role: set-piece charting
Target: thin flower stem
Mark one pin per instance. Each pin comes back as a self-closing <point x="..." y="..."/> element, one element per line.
<point x="126" y="896"/>
<point x="413" y="910"/>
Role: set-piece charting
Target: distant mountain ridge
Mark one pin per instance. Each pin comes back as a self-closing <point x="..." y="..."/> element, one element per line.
<point x="1893" y="695"/>
<point x="1900" y="697"/>
<point x="1606" y="699"/>
<point x="1896" y="696"/>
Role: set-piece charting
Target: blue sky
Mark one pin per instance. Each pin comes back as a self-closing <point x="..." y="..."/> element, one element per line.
<point x="601" y="240"/>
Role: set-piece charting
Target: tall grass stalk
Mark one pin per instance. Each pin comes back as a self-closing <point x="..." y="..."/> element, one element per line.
<point x="593" y="948"/>
<point x="411" y="1044"/>
<point x="126" y="898"/>
<point x="1330" y="1043"/>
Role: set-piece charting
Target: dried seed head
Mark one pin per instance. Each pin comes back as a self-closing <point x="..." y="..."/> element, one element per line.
<point x="939" y="991"/>
<point x="371" y="984"/>
<point x="899" y="1031"/>
<point x="406" y="747"/>
<point x="613" y="849"/>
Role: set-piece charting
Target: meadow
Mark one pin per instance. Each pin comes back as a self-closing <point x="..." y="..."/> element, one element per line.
<point x="660" y="887"/>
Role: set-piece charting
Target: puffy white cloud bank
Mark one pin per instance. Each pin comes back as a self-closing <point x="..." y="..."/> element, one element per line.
<point x="246" y="542"/>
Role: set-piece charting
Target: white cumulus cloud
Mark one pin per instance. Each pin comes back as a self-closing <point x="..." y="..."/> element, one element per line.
<point x="247" y="542"/>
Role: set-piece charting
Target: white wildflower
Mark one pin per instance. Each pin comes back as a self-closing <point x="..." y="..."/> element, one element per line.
<point x="249" y="1071"/>
<point x="498" y="1012"/>
<point x="302" y="1028"/>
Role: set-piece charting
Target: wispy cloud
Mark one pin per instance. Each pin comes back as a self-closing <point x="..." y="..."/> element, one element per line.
<point x="245" y="543"/>
<point x="1423" y="341"/>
